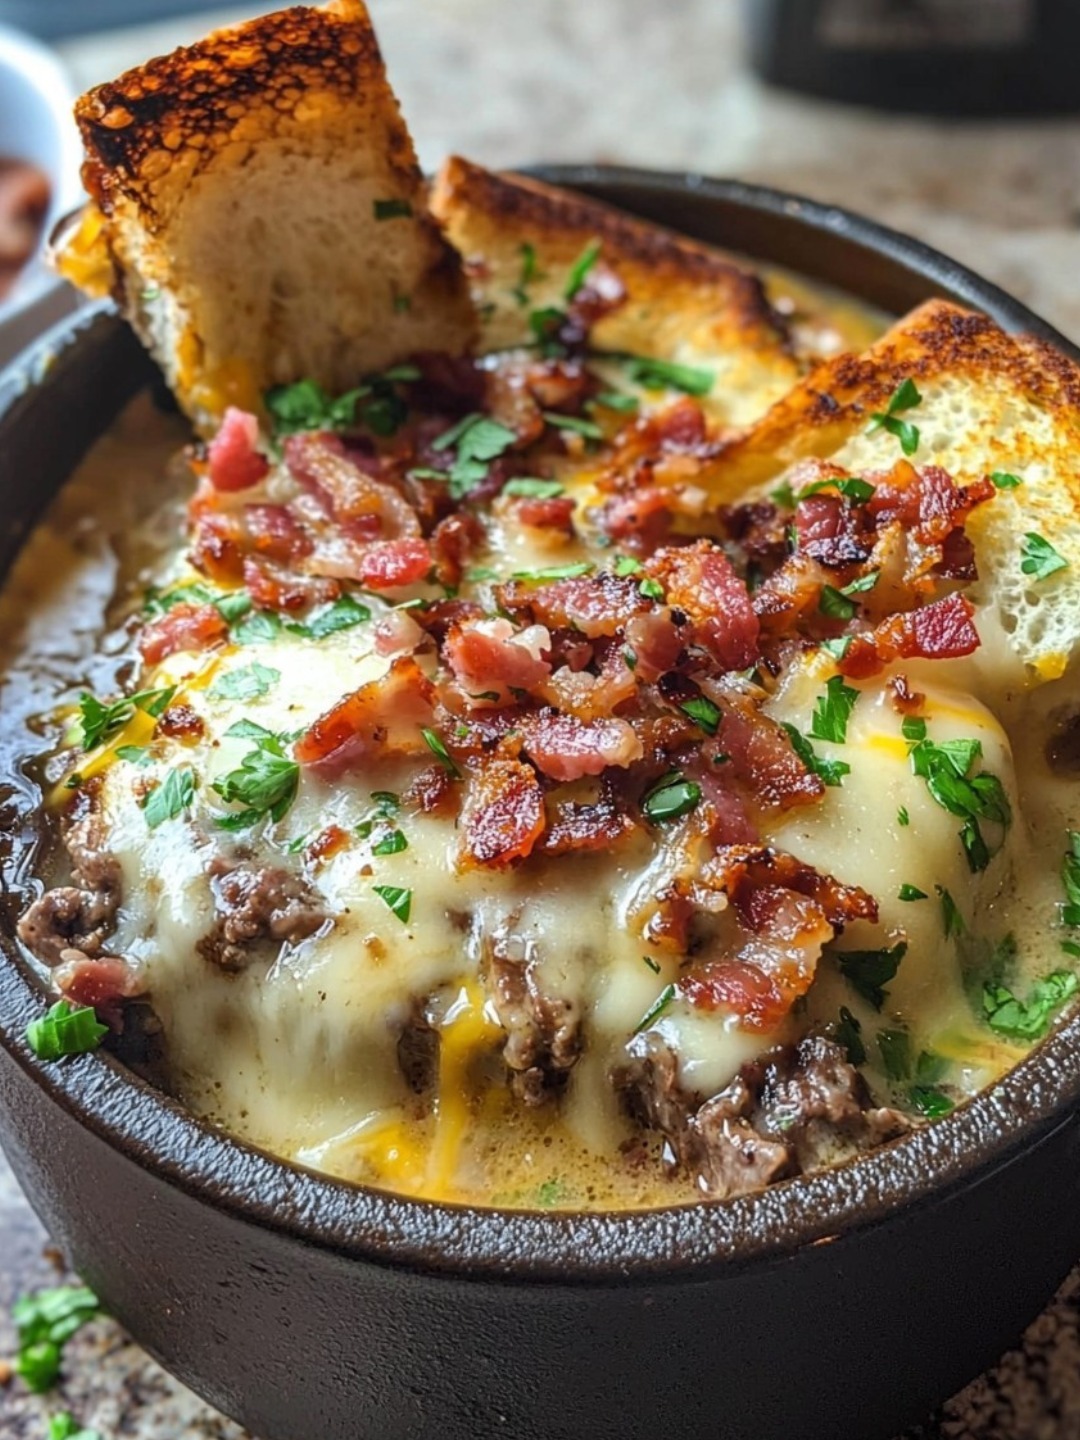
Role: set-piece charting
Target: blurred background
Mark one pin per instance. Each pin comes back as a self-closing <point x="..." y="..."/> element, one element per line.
<point x="954" y="120"/>
<point x="957" y="121"/>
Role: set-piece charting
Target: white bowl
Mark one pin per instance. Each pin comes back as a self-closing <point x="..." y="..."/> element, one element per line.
<point x="36" y="125"/>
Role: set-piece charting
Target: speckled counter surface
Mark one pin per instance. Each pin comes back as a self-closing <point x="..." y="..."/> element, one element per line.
<point x="634" y="82"/>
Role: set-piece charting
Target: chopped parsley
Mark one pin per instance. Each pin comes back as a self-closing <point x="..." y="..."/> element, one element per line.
<point x="100" y="722"/>
<point x="249" y="682"/>
<point x="656" y="1009"/>
<point x="848" y="1032"/>
<point x="230" y="604"/>
<point x="260" y="628"/>
<point x="895" y="1049"/>
<point x="1002" y="480"/>
<point x="396" y="899"/>
<point x="305" y="405"/>
<point x="580" y="269"/>
<point x="837" y="604"/>
<point x="476" y="441"/>
<point x="392" y="843"/>
<point x="550" y="1193"/>
<point x="671" y="798"/>
<point x="703" y="712"/>
<point x="912" y="892"/>
<point x="265" y="782"/>
<point x="533" y="488"/>
<point x="45" y="1322"/>
<point x="134" y="754"/>
<point x="435" y="744"/>
<point x="391" y="209"/>
<point x="869" y="971"/>
<point x="952" y="922"/>
<point x="831" y="772"/>
<point x="171" y="798"/>
<point x="65" y="1029"/>
<point x="850" y="486"/>
<point x="627" y="565"/>
<point x="652" y="590"/>
<point x="945" y="766"/>
<point x="1070" y="879"/>
<point x="1029" y="1019"/>
<point x="343" y="614"/>
<point x="931" y="1102"/>
<point x="545" y="325"/>
<point x="65" y="1427"/>
<point x="666" y="374"/>
<point x="905" y="397"/>
<point x="587" y="429"/>
<point x="837" y="647"/>
<point x="783" y="495"/>
<point x="1040" y="559"/>
<point x="554" y="572"/>
<point x="616" y="400"/>
<point x="651" y="963"/>
<point x="833" y="711"/>
<point x="528" y="273"/>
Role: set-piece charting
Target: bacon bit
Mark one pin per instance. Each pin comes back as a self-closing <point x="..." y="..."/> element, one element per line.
<point x="102" y="983"/>
<point x="759" y="750"/>
<point x="904" y="699"/>
<point x="553" y="514"/>
<point x="741" y="871"/>
<point x="234" y="462"/>
<point x="429" y="791"/>
<point x="701" y="581"/>
<point x="927" y="503"/>
<point x="453" y="542"/>
<point x="832" y="531"/>
<point x="184" y="627"/>
<point x="274" y="531"/>
<point x="319" y="463"/>
<point x="217" y="547"/>
<point x="740" y="987"/>
<point x="643" y="515"/>
<point x="490" y="659"/>
<point x="272" y="587"/>
<point x="393" y="563"/>
<point x="503" y="815"/>
<point x="594" y="605"/>
<point x="386" y="713"/>
<point x="943" y="630"/>
<point x="655" y="642"/>
<point x="680" y="425"/>
<point x="397" y="634"/>
<point x="182" y="722"/>
<point x="558" y="384"/>
<point x="591" y="697"/>
<point x="722" y="812"/>
<point x="328" y="842"/>
<point x="439" y="619"/>
<point x="574" y="826"/>
<point x="568" y="749"/>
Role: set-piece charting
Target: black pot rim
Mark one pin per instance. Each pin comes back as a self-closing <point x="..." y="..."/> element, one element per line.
<point x="933" y="1166"/>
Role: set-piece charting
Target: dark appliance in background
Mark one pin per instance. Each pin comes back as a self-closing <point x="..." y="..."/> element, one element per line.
<point x="943" y="57"/>
<point x="50" y="19"/>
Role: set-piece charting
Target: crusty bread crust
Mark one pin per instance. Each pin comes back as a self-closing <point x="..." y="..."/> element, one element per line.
<point x="685" y="301"/>
<point x="991" y="402"/>
<point x="264" y="211"/>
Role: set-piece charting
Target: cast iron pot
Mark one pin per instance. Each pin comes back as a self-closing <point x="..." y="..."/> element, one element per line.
<point x="843" y="1306"/>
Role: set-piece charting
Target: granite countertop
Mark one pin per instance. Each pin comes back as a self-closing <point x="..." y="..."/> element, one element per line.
<point x="633" y="82"/>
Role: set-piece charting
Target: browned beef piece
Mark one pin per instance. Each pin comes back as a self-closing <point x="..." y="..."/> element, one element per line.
<point x="539" y="1007"/>
<point x="794" y="1109"/>
<point x="418" y="1053"/>
<point x="78" y="916"/>
<point x="254" y="904"/>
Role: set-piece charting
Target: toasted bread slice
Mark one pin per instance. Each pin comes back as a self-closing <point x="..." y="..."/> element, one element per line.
<point x="990" y="402"/>
<point x="264" y="214"/>
<point x="685" y="302"/>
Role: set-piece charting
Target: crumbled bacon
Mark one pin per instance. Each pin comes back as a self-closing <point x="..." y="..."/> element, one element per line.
<point x="319" y="462"/>
<point x="181" y="721"/>
<point x="592" y="604"/>
<point x="274" y="531"/>
<point x="397" y="634"/>
<point x="655" y="643"/>
<point x="453" y="541"/>
<point x="573" y="825"/>
<point x="556" y="513"/>
<point x="184" y="627"/>
<point x="503" y="815"/>
<point x="831" y="530"/>
<point x="273" y="587"/>
<point x="383" y="716"/>
<point x="103" y="983"/>
<point x="234" y="461"/>
<point x="491" y="660"/>
<point x="702" y="582"/>
<point x="942" y="630"/>
<point x="758" y="749"/>
<point x="565" y="748"/>
<point x="390" y="564"/>
<point x="927" y="502"/>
